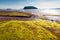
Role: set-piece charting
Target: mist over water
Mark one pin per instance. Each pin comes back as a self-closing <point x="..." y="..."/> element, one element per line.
<point x="43" y="11"/>
<point x="40" y="12"/>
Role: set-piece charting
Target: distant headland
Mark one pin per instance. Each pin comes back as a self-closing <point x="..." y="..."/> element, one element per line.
<point x="30" y="7"/>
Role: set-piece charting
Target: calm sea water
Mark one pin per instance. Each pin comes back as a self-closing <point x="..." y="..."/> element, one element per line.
<point x="40" y="12"/>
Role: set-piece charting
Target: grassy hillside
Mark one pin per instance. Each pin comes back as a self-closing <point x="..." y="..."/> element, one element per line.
<point x="27" y="30"/>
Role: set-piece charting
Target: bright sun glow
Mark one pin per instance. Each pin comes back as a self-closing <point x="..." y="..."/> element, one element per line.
<point x="53" y="12"/>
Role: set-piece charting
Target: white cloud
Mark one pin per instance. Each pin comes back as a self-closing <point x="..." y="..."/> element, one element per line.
<point x="48" y="5"/>
<point x="45" y="4"/>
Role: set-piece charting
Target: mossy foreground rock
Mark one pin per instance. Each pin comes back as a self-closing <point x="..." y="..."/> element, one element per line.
<point x="24" y="30"/>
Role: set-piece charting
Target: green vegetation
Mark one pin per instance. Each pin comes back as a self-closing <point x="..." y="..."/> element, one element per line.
<point x="49" y="24"/>
<point x="27" y="30"/>
<point x="14" y="13"/>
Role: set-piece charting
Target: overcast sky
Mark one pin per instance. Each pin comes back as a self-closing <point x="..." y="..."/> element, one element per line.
<point x="41" y="4"/>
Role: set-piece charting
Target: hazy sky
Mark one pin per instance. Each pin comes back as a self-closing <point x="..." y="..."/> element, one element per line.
<point x="17" y="4"/>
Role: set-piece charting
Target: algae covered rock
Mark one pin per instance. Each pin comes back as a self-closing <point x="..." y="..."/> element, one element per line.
<point x="24" y="30"/>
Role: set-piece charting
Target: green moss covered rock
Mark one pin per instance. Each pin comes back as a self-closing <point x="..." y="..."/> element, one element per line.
<point x="24" y="30"/>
